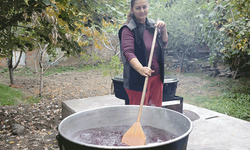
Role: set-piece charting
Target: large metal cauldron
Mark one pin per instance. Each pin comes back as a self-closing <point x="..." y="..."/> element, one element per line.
<point x="161" y="118"/>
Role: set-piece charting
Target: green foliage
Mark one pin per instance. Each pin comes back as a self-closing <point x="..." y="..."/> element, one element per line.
<point x="12" y="32"/>
<point x="226" y="30"/>
<point x="167" y="73"/>
<point x="237" y="105"/>
<point x="24" y="71"/>
<point x="60" y="70"/>
<point x="232" y="105"/>
<point x="71" y="69"/>
<point x="191" y="74"/>
<point x="241" y="86"/>
<point x="96" y="11"/>
<point x="85" y="57"/>
<point x="180" y="22"/>
<point x="111" y="41"/>
<point x="200" y="61"/>
<point x="95" y="57"/>
<point x="110" y="37"/>
<point x="11" y="96"/>
<point x="4" y="70"/>
<point x="91" y="57"/>
<point x="114" y="67"/>
<point x="59" y="23"/>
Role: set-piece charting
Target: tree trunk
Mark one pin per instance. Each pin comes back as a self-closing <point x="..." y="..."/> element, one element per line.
<point x="41" y="83"/>
<point x="235" y="74"/>
<point x="182" y="60"/>
<point x="10" y="66"/>
<point x="42" y="52"/>
<point x="181" y="65"/>
<point x="41" y="71"/>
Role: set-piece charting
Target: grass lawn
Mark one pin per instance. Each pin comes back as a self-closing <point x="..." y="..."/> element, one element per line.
<point x="12" y="96"/>
<point x="233" y="100"/>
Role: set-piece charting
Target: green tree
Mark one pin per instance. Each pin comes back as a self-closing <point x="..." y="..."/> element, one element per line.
<point x="181" y="24"/>
<point x="226" y="30"/>
<point x="12" y="31"/>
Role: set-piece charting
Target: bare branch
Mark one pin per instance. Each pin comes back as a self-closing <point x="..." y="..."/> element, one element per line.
<point x="52" y="64"/>
<point x="113" y="37"/>
<point x="42" y="53"/>
<point x="117" y="53"/>
<point x="43" y="50"/>
<point x="45" y="47"/>
<point x="176" y="54"/>
<point x="110" y="43"/>
<point x="107" y="46"/>
<point x="39" y="45"/>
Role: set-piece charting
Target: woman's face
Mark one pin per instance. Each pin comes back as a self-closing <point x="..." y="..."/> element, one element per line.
<point x="140" y="10"/>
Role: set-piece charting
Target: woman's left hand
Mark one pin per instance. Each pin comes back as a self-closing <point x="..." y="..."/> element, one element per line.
<point x="161" y="25"/>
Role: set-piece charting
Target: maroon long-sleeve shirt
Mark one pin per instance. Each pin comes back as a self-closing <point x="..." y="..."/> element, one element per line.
<point x="127" y="40"/>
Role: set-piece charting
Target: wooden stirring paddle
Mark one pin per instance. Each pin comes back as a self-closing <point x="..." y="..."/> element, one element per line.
<point x="135" y="135"/>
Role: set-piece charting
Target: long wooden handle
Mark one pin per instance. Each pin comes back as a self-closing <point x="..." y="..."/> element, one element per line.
<point x="146" y="79"/>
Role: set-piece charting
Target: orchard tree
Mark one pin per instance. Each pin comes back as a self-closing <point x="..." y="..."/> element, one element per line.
<point x="226" y="30"/>
<point x="181" y="24"/>
<point x="51" y="24"/>
<point x="12" y="30"/>
<point x="110" y="37"/>
<point x="74" y="29"/>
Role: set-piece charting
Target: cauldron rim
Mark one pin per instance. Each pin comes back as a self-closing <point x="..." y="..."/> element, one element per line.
<point x="124" y="147"/>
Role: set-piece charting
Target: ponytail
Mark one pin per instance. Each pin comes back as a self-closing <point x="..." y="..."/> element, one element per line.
<point x="129" y="16"/>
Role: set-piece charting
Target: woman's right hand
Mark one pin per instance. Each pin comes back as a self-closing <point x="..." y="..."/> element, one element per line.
<point x="145" y="71"/>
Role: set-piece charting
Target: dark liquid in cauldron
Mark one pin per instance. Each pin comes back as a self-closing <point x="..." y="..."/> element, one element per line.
<point x="111" y="136"/>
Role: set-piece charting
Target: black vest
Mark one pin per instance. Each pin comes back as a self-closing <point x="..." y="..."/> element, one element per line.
<point x="131" y="78"/>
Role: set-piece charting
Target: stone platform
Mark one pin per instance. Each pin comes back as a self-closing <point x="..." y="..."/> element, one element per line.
<point x="211" y="130"/>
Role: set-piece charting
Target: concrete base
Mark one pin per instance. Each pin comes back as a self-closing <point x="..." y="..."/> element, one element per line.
<point x="72" y="106"/>
<point x="216" y="131"/>
<point x="212" y="131"/>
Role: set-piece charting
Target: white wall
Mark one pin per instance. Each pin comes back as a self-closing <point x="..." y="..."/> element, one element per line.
<point x="16" y="56"/>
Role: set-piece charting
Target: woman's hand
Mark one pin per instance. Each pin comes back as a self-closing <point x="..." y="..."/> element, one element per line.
<point x="145" y="71"/>
<point x="161" y="25"/>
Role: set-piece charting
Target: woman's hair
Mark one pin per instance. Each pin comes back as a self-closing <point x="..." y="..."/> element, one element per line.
<point x="130" y="14"/>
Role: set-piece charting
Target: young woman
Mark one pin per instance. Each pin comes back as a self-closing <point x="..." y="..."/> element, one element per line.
<point x="136" y="37"/>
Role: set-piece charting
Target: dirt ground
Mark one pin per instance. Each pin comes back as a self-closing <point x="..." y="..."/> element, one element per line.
<point x="41" y="120"/>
